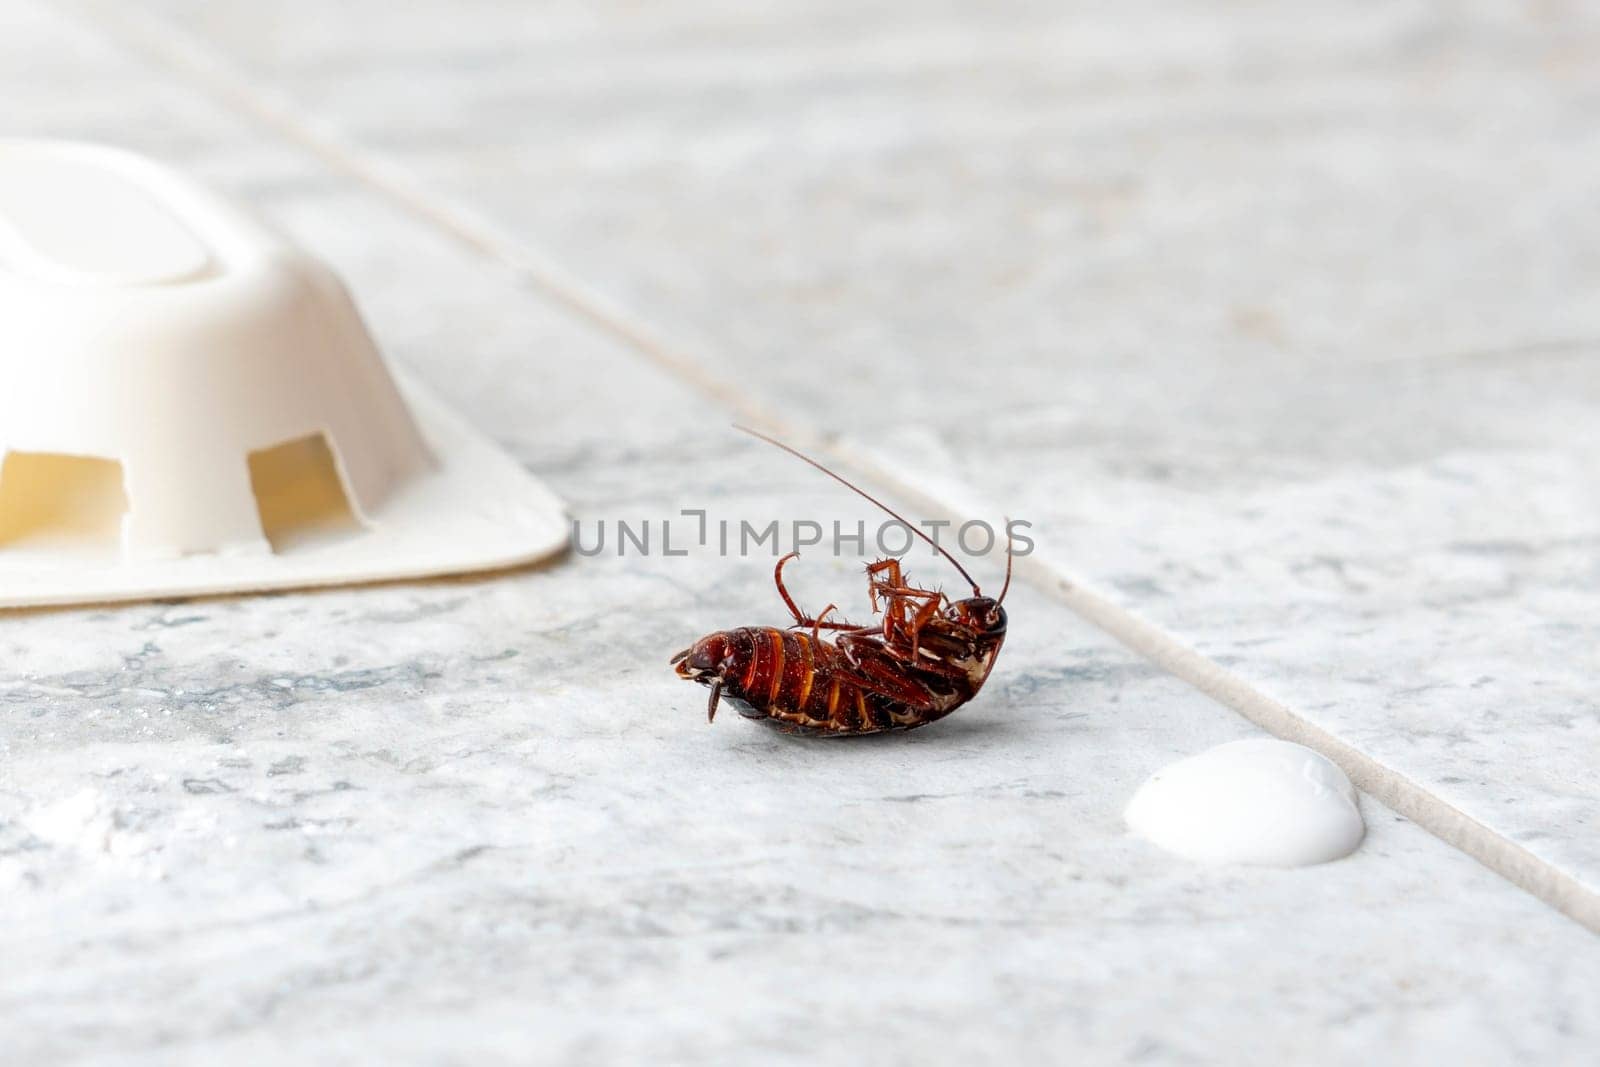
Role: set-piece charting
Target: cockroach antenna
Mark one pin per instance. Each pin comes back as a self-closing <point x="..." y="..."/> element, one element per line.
<point x="1004" y="589"/>
<point x="894" y="514"/>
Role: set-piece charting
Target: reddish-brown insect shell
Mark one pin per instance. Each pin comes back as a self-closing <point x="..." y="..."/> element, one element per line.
<point x="924" y="658"/>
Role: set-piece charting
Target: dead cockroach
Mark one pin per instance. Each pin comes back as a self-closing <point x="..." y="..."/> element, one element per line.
<point x="926" y="657"/>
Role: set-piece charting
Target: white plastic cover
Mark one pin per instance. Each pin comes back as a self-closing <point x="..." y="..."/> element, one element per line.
<point x="189" y="404"/>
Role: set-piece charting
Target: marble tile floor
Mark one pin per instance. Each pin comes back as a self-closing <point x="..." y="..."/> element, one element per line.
<point x="1277" y="327"/>
<point x="479" y="821"/>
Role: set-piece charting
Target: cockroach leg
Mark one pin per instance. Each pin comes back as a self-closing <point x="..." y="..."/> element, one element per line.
<point x="777" y="578"/>
<point x="900" y="620"/>
<point x="929" y="608"/>
<point x="821" y="624"/>
<point x="801" y="619"/>
<point x="876" y="585"/>
<point x="711" y="704"/>
<point x="816" y="624"/>
<point x="873" y="674"/>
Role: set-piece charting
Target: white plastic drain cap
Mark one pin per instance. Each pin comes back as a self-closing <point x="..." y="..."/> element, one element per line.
<point x="189" y="404"/>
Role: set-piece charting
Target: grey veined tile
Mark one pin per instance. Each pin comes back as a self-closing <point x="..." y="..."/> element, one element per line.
<point x="1279" y="325"/>
<point x="481" y="816"/>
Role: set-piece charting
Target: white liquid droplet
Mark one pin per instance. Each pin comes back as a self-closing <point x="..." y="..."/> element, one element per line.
<point x="1262" y="801"/>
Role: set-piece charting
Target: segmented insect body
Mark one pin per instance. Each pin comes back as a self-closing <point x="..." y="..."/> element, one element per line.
<point x="926" y="657"/>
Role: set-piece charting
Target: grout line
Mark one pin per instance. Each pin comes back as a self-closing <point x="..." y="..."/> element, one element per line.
<point x="159" y="41"/>
<point x="1500" y="854"/>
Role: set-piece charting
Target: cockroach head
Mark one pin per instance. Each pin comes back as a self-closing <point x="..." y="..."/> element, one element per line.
<point x="981" y="613"/>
